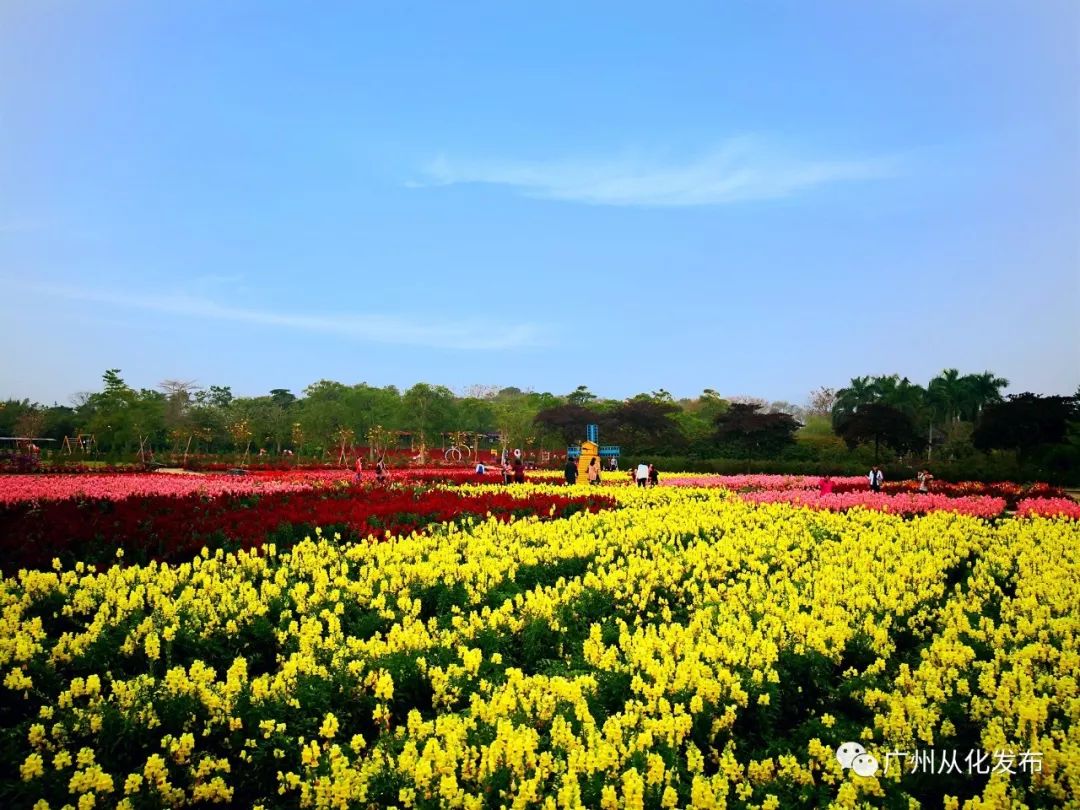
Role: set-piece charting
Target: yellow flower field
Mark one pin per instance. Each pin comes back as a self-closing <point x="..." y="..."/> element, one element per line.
<point x="686" y="649"/>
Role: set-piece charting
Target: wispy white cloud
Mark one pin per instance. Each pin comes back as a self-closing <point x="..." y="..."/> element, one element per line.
<point x="20" y="225"/>
<point x="386" y="329"/>
<point x="218" y="280"/>
<point x="739" y="170"/>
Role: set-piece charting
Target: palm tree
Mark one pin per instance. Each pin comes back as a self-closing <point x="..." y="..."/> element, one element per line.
<point x="910" y="396"/>
<point x="884" y="387"/>
<point x="901" y="394"/>
<point x="859" y="392"/>
<point x="984" y="389"/>
<point x="948" y="393"/>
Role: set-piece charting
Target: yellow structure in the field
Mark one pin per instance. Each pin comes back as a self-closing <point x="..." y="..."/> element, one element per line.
<point x="589" y="451"/>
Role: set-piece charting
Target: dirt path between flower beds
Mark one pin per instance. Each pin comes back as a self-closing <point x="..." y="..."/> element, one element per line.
<point x="177" y="471"/>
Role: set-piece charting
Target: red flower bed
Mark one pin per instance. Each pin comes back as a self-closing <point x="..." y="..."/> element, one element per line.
<point x="53" y="468"/>
<point x="174" y="529"/>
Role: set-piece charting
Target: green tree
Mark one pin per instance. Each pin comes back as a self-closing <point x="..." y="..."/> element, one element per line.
<point x="323" y="412"/>
<point x="580" y="396"/>
<point x="267" y="421"/>
<point x="31" y="423"/>
<point x="179" y="396"/>
<point x="282" y="397"/>
<point x="697" y="417"/>
<point x="369" y="406"/>
<point x="899" y="393"/>
<point x="113" y="417"/>
<point x="859" y="392"/>
<point x="984" y="389"/>
<point x="949" y="394"/>
<point x="475" y="415"/>
<point x="427" y="411"/>
<point x="60" y="421"/>
<point x="881" y="425"/>
<point x="1025" y="422"/>
<point x="11" y="412"/>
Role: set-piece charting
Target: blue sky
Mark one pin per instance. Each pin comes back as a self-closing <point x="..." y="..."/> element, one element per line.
<point x="759" y="198"/>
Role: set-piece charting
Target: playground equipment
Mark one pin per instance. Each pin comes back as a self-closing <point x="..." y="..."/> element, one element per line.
<point x="590" y="449"/>
<point x="146" y="450"/>
<point x="82" y="443"/>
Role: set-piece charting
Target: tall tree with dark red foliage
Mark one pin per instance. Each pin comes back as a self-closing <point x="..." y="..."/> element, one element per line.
<point x="567" y="421"/>
<point x="882" y="425"/>
<point x="744" y="429"/>
<point x="643" y="423"/>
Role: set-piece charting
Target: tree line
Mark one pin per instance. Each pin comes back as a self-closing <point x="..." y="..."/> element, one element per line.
<point x="958" y="414"/>
<point x="952" y="417"/>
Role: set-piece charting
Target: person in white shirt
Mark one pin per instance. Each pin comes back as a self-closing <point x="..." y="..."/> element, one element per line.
<point x="876" y="477"/>
<point x="642" y="475"/>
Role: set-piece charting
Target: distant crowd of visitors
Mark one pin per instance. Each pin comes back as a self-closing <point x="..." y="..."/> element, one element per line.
<point x="644" y="475"/>
<point x="876" y="478"/>
<point x="380" y="469"/>
<point x="512" y="472"/>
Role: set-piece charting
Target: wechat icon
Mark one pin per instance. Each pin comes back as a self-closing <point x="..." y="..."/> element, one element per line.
<point x="854" y="756"/>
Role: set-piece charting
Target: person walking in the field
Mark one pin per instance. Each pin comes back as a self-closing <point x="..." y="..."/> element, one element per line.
<point x="593" y="471"/>
<point x="570" y="472"/>
<point x="642" y="476"/>
<point x="877" y="477"/>
<point x="925" y="479"/>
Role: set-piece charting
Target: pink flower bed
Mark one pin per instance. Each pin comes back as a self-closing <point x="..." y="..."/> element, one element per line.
<point x="411" y="475"/>
<point x="906" y="504"/>
<point x="16" y="488"/>
<point x="117" y="486"/>
<point x="1048" y="507"/>
<point x="760" y="482"/>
